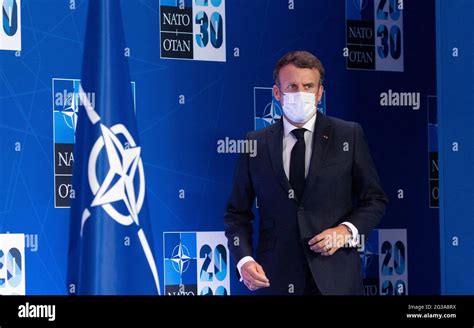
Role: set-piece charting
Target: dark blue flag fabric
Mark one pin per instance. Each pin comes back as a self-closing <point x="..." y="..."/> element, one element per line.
<point x="110" y="247"/>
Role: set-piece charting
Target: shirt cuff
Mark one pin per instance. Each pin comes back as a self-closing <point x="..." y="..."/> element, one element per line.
<point x="354" y="240"/>
<point x="242" y="261"/>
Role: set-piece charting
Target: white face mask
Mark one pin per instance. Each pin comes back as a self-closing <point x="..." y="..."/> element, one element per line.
<point x="299" y="107"/>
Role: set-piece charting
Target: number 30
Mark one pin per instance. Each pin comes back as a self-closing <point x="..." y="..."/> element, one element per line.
<point x="212" y="29"/>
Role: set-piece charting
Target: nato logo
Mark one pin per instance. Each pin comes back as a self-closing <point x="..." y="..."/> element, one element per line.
<point x="65" y="114"/>
<point x="374" y="35"/>
<point x="369" y="257"/>
<point x="196" y="263"/>
<point x="268" y="110"/>
<point x="10" y="32"/>
<point x="180" y="264"/>
<point x="360" y="9"/>
<point x="65" y="108"/>
<point x="193" y="29"/>
<point x="384" y="262"/>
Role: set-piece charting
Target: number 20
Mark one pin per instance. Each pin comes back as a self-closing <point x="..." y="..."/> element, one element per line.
<point x="220" y="263"/>
<point x="398" y="258"/>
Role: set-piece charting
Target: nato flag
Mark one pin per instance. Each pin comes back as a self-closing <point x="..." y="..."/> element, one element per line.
<point x="110" y="246"/>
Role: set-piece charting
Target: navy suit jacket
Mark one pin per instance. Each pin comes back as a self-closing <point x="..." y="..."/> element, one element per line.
<point x="342" y="185"/>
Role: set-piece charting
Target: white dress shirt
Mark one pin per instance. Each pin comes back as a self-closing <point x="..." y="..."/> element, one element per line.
<point x="289" y="140"/>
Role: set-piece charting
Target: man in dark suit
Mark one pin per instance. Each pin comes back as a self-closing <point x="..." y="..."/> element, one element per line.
<point x="308" y="169"/>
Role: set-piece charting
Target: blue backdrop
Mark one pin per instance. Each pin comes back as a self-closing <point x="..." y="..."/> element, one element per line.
<point x="184" y="107"/>
<point x="456" y="98"/>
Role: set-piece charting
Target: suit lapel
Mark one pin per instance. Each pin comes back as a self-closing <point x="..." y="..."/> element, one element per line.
<point x="275" y="145"/>
<point x="321" y="136"/>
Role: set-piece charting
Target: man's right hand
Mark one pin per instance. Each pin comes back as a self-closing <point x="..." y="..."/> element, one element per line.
<point x="254" y="276"/>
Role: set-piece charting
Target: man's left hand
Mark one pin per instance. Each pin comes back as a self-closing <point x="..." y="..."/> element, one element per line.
<point x="330" y="240"/>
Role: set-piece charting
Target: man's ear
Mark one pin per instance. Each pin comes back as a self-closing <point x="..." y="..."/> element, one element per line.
<point x="320" y="93"/>
<point x="276" y="92"/>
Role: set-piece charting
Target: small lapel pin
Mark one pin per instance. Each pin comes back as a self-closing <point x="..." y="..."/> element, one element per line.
<point x="325" y="137"/>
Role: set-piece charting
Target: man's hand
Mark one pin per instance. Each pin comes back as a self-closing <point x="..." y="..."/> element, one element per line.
<point x="329" y="241"/>
<point x="254" y="276"/>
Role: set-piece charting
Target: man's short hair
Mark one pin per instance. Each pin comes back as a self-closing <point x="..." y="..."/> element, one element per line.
<point x="301" y="59"/>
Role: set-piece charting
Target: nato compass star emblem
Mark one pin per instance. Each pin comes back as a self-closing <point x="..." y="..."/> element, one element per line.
<point x="361" y="4"/>
<point x="70" y="110"/>
<point x="271" y="113"/>
<point x="180" y="258"/>
<point x="118" y="185"/>
<point x="367" y="256"/>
